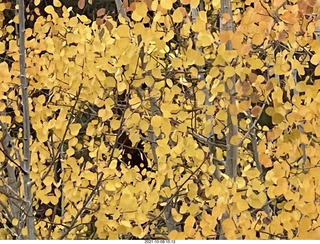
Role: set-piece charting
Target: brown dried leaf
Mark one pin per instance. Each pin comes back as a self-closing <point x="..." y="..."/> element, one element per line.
<point x="255" y="111"/>
<point x="101" y="12"/>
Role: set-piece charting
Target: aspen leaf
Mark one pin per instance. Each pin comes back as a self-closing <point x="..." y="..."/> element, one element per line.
<point x="256" y="110"/>
<point x="257" y="200"/>
<point x="229" y="71"/>
<point x="115" y="124"/>
<point x="81" y="4"/>
<point x="2" y="47"/>
<point x="185" y="2"/>
<point x="225" y="36"/>
<point x="140" y="11"/>
<point x="177" y="16"/>
<point x="137" y="231"/>
<point x="14" y="222"/>
<point x="37" y="2"/>
<point x="121" y="86"/>
<point x="221" y="115"/>
<point x="257" y="39"/>
<point x="175" y="235"/>
<point x="225" y="18"/>
<point x="315" y="59"/>
<point x="49" y="9"/>
<point x="228" y="55"/>
<point x="194" y="3"/>
<point x="166" y="4"/>
<point x="135" y="102"/>
<point x="57" y="3"/>
<point x="110" y="187"/>
<point x="74" y="129"/>
<point x="101" y="12"/>
<point x="175" y="215"/>
<point x="265" y="160"/>
<point x="316" y="71"/>
<point x="277" y="118"/>
<point x="234" y="140"/>
<point x="229" y="228"/>
<point x="242" y="205"/>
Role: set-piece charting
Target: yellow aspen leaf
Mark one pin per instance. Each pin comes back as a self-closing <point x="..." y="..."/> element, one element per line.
<point x="214" y="72"/>
<point x="193" y="209"/>
<point x="57" y="3"/>
<point x="257" y="200"/>
<point x="193" y="191"/>
<point x="140" y="11"/>
<point x="137" y="231"/>
<point x="135" y="102"/>
<point x="316" y="71"/>
<point x="74" y="129"/>
<point x="10" y="29"/>
<point x="315" y="59"/>
<point x="36" y="2"/>
<point x="225" y="36"/>
<point x="104" y="114"/>
<point x="175" y="235"/>
<point x="205" y="38"/>
<point x="301" y="86"/>
<point x="176" y="63"/>
<point x="194" y="3"/>
<point x="175" y="215"/>
<point x="156" y="121"/>
<point x="277" y="118"/>
<point x="285" y="67"/>
<point x="84" y="19"/>
<point x="121" y="86"/>
<point x="166" y="4"/>
<point x="229" y="71"/>
<point x="265" y="160"/>
<point x="156" y="73"/>
<point x="221" y="115"/>
<point x="233" y="110"/>
<point x="228" y="55"/>
<point x="14" y="222"/>
<point x="2" y="47"/>
<point x="115" y="124"/>
<point x="24" y="231"/>
<point x="229" y="229"/>
<point x="48" y="212"/>
<point x="177" y="16"/>
<point x="242" y="205"/>
<point x="49" y="9"/>
<point x="234" y="140"/>
<point x="257" y="39"/>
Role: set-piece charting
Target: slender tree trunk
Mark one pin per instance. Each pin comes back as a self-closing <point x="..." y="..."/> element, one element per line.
<point x="232" y="123"/>
<point x="28" y="211"/>
<point x="205" y="89"/>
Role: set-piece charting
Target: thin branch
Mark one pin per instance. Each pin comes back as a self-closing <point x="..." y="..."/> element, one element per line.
<point x="54" y="159"/>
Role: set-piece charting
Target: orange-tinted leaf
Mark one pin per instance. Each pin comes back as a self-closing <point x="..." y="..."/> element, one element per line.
<point x="255" y="111"/>
<point x="101" y="12"/>
<point x="81" y="4"/>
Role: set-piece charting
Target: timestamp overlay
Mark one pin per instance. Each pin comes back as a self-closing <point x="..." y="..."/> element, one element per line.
<point x="160" y="241"/>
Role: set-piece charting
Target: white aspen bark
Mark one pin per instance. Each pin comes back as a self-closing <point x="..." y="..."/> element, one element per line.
<point x="120" y="8"/>
<point x="28" y="210"/>
<point x="210" y="135"/>
<point x="232" y="150"/>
